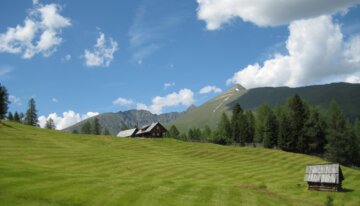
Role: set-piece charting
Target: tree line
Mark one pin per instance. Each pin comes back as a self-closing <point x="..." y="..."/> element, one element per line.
<point x="92" y="127"/>
<point x="294" y="126"/>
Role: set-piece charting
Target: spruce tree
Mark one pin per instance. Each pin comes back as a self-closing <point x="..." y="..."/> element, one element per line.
<point x="261" y="113"/>
<point x="298" y="115"/>
<point x="96" y="128"/>
<point x="207" y="133"/>
<point x="223" y="133"/>
<point x="341" y="141"/>
<point x="174" y="132"/>
<point x="17" y="117"/>
<point x="10" y="116"/>
<point x="86" y="128"/>
<point x="270" y="130"/>
<point x="4" y="102"/>
<point x="236" y="119"/>
<point x="285" y="132"/>
<point x="249" y="127"/>
<point x="31" y="114"/>
<point x="50" y="124"/>
<point x="315" y="132"/>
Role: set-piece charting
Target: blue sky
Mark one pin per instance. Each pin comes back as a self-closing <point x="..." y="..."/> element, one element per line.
<point x="164" y="55"/>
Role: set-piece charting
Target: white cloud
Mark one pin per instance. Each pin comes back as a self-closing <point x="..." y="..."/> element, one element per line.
<point x="317" y="53"/>
<point x="67" y="57"/>
<point x="39" y="34"/>
<point x="35" y="1"/>
<point x="4" y="70"/>
<point x="184" y="97"/>
<point x="67" y="119"/>
<point x="168" y="85"/>
<point x="54" y="100"/>
<point x="209" y="89"/>
<point x="102" y="53"/>
<point x="122" y="101"/>
<point x="267" y="13"/>
<point x="15" y="100"/>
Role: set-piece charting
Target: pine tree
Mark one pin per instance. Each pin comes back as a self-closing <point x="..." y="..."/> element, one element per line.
<point x="342" y="146"/>
<point x="261" y="113"/>
<point x="236" y="119"/>
<point x="207" y="133"/>
<point x="250" y="127"/>
<point x="50" y="124"/>
<point x="223" y="133"/>
<point x="270" y="130"/>
<point x="96" y="128"/>
<point x="10" y="116"/>
<point x="284" y="140"/>
<point x="174" y="132"/>
<point x="17" y="117"/>
<point x="315" y="132"/>
<point x="298" y="115"/>
<point x="106" y="132"/>
<point x="86" y="128"/>
<point x="4" y="102"/>
<point x="31" y="114"/>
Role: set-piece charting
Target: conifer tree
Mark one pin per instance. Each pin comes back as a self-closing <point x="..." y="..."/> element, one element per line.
<point x="10" y="116"/>
<point x="4" y="102"/>
<point x="236" y="119"/>
<point x="284" y="139"/>
<point x="174" y="132"/>
<point x="249" y="127"/>
<point x="86" y="128"/>
<point x="223" y="132"/>
<point x="75" y="131"/>
<point x="315" y="132"/>
<point x="261" y="112"/>
<point x="17" y="117"/>
<point x="22" y="117"/>
<point x="50" y="124"/>
<point x="270" y="130"/>
<point x="96" y="128"/>
<point x="31" y="114"/>
<point x="207" y="133"/>
<point x="341" y="141"/>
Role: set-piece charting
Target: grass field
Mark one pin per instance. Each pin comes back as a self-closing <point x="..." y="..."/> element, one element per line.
<point x="42" y="167"/>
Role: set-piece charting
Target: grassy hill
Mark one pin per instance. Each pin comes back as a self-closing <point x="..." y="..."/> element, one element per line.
<point x="41" y="167"/>
<point x="347" y="95"/>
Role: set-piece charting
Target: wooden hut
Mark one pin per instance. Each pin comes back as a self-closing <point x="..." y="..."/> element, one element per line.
<point x="152" y="130"/>
<point x="326" y="177"/>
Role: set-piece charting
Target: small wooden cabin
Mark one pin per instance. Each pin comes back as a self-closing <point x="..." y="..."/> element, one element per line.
<point x="152" y="130"/>
<point x="326" y="177"/>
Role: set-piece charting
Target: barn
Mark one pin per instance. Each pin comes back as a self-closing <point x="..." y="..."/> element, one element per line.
<point x="152" y="130"/>
<point x="326" y="177"/>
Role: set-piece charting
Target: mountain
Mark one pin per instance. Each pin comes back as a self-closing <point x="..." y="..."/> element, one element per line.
<point x="345" y="94"/>
<point x="115" y="122"/>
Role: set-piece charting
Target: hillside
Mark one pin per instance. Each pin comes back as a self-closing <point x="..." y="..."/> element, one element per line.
<point x="43" y="167"/>
<point x="115" y="121"/>
<point x="347" y="95"/>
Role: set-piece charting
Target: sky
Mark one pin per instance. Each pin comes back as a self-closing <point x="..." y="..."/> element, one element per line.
<point x="81" y="58"/>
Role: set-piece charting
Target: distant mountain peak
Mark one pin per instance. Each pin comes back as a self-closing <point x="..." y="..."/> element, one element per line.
<point x="191" y="108"/>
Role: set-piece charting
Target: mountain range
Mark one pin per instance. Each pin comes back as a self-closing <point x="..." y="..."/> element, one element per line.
<point x="345" y="94"/>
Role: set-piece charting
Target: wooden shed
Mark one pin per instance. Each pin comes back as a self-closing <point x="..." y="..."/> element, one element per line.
<point x="326" y="177"/>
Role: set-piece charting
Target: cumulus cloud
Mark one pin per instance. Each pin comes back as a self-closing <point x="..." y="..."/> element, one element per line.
<point x="168" y="85"/>
<point x="317" y="53"/>
<point x="15" y="100"/>
<point x="40" y="33"/>
<point x="67" y="119"/>
<point x="267" y="13"/>
<point x="122" y="101"/>
<point x="184" y="97"/>
<point x="209" y="89"/>
<point x="102" y="53"/>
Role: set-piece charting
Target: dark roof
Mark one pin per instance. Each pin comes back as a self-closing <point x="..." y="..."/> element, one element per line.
<point x="323" y="173"/>
<point x="147" y="128"/>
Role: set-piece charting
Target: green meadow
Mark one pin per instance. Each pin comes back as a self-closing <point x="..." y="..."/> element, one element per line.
<point x="44" y="167"/>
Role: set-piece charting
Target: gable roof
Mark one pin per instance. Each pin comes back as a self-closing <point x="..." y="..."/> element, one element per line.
<point x="324" y="173"/>
<point x="127" y="133"/>
<point x="148" y="128"/>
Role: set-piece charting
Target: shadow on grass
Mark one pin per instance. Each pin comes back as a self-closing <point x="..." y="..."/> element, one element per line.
<point x="6" y="125"/>
<point x="347" y="190"/>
